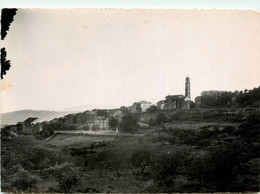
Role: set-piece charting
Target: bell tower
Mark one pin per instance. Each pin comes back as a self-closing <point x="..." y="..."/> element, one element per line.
<point x="187" y="87"/>
<point x="187" y="93"/>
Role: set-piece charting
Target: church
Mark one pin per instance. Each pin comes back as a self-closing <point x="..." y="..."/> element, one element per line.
<point x="177" y="101"/>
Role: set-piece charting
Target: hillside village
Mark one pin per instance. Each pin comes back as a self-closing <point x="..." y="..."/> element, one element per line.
<point x="98" y="119"/>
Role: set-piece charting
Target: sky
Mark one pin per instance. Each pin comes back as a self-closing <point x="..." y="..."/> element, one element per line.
<point x="205" y="4"/>
<point x="110" y="57"/>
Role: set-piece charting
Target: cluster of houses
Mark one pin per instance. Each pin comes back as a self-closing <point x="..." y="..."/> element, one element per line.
<point x="93" y="120"/>
<point x="31" y="125"/>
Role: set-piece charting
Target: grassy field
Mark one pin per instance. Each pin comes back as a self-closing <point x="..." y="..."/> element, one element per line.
<point x="68" y="139"/>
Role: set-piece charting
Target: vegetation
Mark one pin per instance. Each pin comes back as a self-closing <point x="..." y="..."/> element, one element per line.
<point x="113" y="122"/>
<point x="246" y="98"/>
<point x="210" y="158"/>
<point x="129" y="123"/>
<point x="161" y="119"/>
<point x="7" y="17"/>
<point x="101" y="112"/>
<point x="152" y="109"/>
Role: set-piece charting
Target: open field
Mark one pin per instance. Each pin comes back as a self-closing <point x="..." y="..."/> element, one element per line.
<point x="67" y="139"/>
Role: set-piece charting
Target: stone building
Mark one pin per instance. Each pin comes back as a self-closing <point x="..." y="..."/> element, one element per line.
<point x="198" y="101"/>
<point x="8" y="132"/>
<point x="32" y="125"/>
<point x="135" y="108"/>
<point x="145" y="105"/>
<point x="124" y="109"/>
<point x="177" y="101"/>
<point x="101" y="122"/>
<point x="141" y="106"/>
<point x="86" y="117"/>
<point x="160" y="104"/>
<point x="174" y="102"/>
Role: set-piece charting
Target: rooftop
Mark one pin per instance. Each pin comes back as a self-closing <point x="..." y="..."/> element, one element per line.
<point x="30" y="119"/>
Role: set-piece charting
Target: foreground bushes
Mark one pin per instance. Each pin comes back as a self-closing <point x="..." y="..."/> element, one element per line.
<point x="202" y="160"/>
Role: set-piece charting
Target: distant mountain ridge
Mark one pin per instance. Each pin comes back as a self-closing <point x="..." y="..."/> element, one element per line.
<point x="88" y="107"/>
<point x="44" y="115"/>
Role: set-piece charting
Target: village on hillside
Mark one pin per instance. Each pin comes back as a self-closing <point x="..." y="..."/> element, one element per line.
<point x="101" y="119"/>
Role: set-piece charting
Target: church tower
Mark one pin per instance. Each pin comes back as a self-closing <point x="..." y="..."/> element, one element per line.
<point x="187" y="87"/>
<point x="187" y="93"/>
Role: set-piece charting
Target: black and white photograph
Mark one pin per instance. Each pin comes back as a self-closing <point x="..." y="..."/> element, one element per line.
<point x="130" y="100"/>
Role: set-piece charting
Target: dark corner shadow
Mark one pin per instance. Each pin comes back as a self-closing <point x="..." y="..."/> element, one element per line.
<point x="7" y="17"/>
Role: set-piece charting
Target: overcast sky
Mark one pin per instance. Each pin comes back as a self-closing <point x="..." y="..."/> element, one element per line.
<point x="109" y="58"/>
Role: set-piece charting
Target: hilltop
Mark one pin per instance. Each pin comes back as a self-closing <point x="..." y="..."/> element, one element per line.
<point x="18" y="116"/>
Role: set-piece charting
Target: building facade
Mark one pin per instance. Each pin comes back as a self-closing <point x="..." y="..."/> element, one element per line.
<point x="160" y="105"/>
<point x="32" y="125"/>
<point x="174" y="102"/>
<point x="101" y="122"/>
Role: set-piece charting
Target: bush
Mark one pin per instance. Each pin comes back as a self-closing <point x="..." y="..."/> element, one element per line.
<point x="161" y="119"/>
<point x="46" y="132"/>
<point x="113" y="122"/>
<point x="152" y="109"/>
<point x="129" y="123"/>
<point x="67" y="176"/>
<point x="24" y="181"/>
<point x="166" y="168"/>
<point x="151" y="122"/>
<point x="228" y="130"/>
<point x="141" y="158"/>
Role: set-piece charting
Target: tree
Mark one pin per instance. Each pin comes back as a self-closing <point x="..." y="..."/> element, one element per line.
<point x="95" y="128"/>
<point x="141" y="158"/>
<point x="5" y="64"/>
<point x="166" y="167"/>
<point x="153" y="108"/>
<point x="66" y="175"/>
<point x="101" y="112"/>
<point x="192" y="104"/>
<point x="198" y="167"/>
<point x="129" y="123"/>
<point x="6" y="20"/>
<point x="24" y="181"/>
<point x="161" y="119"/>
<point x="151" y="122"/>
<point x="113" y="122"/>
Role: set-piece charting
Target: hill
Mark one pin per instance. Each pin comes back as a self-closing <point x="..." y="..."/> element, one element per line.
<point x="16" y="116"/>
<point x="88" y="107"/>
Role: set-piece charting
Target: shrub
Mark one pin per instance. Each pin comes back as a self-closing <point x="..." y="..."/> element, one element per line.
<point x="228" y="129"/>
<point x="24" y="181"/>
<point x="129" y="123"/>
<point x="67" y="176"/>
<point x="151" y="122"/>
<point x="161" y="119"/>
<point x="113" y="122"/>
<point x="141" y="158"/>
<point x="152" y="109"/>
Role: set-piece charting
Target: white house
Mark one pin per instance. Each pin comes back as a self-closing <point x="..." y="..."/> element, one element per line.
<point x="101" y="122"/>
<point x="145" y="105"/>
